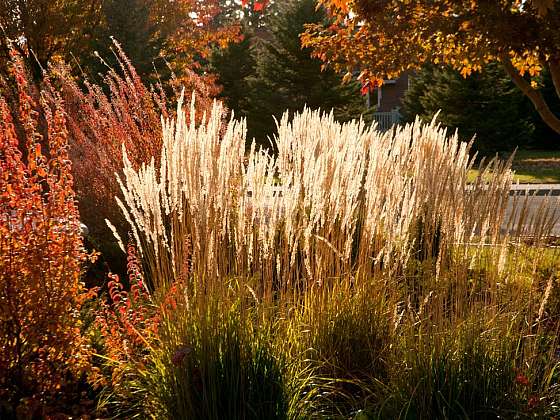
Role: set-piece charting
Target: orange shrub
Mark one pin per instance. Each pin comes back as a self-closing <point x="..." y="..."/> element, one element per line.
<point x="129" y="328"/>
<point x="129" y="321"/>
<point x="42" y="350"/>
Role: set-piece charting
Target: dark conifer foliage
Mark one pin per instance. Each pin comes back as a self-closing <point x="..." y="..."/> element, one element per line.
<point x="128" y="22"/>
<point x="270" y="72"/>
<point x="235" y="66"/>
<point x="486" y="104"/>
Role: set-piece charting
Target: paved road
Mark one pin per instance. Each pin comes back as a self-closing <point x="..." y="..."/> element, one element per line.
<point x="539" y="198"/>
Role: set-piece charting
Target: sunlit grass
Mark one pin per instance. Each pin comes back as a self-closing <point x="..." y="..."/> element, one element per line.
<point x="533" y="167"/>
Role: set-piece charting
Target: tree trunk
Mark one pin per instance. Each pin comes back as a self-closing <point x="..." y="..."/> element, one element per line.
<point x="534" y="95"/>
<point x="555" y="73"/>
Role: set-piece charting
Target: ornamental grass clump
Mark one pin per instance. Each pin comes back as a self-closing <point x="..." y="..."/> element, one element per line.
<point x="338" y="200"/>
<point x="217" y="361"/>
<point x="44" y="355"/>
<point x="484" y="366"/>
<point x="187" y="354"/>
<point x="380" y="281"/>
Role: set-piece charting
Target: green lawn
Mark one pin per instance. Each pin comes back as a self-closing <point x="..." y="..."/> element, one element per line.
<point x="534" y="167"/>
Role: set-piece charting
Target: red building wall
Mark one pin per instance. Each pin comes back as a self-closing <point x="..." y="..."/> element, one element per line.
<point x="392" y="93"/>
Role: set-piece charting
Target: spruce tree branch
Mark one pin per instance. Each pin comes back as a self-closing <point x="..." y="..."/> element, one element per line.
<point x="534" y="95"/>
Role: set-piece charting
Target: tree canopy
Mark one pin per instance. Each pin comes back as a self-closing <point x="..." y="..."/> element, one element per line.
<point x="182" y="31"/>
<point x="49" y="28"/>
<point x="385" y="37"/>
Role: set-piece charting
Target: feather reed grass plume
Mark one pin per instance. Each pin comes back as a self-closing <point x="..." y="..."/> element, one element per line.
<point x="338" y="201"/>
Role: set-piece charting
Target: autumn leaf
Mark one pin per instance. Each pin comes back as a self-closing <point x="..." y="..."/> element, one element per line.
<point x="259" y="6"/>
<point x="365" y="88"/>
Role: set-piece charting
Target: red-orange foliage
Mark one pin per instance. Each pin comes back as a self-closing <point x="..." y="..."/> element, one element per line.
<point x="191" y="30"/>
<point x="129" y="323"/>
<point x="102" y="120"/>
<point x="41" y="347"/>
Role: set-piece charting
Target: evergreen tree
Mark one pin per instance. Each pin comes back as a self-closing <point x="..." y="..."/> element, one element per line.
<point x="234" y="67"/>
<point x="128" y="21"/>
<point x="287" y="78"/>
<point x="486" y="104"/>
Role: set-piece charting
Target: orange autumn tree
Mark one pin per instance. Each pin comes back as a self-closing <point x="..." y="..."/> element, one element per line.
<point x="49" y="28"/>
<point x="386" y="37"/>
<point x="43" y="352"/>
<point x="182" y="33"/>
<point x="188" y="32"/>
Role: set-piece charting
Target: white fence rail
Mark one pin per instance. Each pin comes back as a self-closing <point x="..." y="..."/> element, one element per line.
<point x="386" y="120"/>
